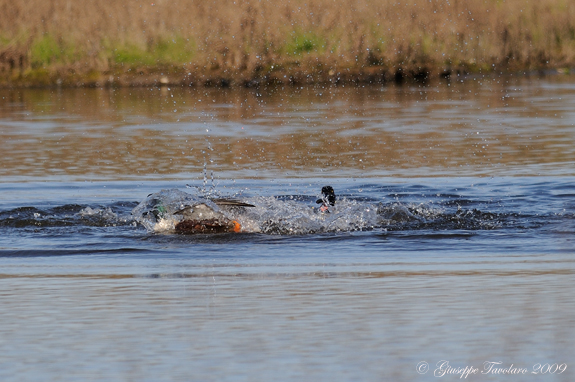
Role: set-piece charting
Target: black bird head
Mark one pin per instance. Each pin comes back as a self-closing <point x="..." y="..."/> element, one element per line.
<point x="328" y="196"/>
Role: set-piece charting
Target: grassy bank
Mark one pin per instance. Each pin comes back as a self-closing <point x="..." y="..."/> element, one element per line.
<point x="97" y="42"/>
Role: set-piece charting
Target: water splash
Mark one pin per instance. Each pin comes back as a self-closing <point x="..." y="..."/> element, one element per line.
<point x="157" y="212"/>
<point x="272" y="215"/>
<point x="64" y="216"/>
<point x="281" y="215"/>
<point x="205" y="191"/>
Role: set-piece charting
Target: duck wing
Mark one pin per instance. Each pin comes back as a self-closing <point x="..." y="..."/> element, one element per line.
<point x="231" y="202"/>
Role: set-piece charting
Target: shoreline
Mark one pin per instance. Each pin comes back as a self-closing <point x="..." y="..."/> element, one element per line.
<point x="262" y="43"/>
<point x="158" y="77"/>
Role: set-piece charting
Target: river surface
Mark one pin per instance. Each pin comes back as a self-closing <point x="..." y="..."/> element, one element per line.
<point x="452" y="238"/>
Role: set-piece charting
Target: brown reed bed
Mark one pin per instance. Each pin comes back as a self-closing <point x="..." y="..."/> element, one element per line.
<point x="97" y="42"/>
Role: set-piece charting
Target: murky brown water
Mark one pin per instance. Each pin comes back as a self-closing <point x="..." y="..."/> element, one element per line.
<point x="453" y="237"/>
<point x="482" y="127"/>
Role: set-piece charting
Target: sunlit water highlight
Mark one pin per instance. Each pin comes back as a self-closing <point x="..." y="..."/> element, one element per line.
<point x="452" y="238"/>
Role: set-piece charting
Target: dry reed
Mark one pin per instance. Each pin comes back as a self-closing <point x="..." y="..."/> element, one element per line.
<point x="243" y="40"/>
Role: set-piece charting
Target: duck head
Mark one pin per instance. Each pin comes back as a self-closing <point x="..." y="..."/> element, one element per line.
<point x="328" y="198"/>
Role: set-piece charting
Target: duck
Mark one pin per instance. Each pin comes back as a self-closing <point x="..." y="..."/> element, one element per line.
<point x="328" y="199"/>
<point x="202" y="218"/>
<point x="180" y="212"/>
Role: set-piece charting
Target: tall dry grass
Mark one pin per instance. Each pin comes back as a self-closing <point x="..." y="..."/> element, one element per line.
<point x="243" y="39"/>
